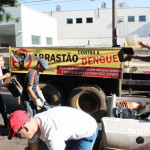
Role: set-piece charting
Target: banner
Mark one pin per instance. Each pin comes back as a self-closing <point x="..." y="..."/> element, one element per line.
<point x="91" y="62"/>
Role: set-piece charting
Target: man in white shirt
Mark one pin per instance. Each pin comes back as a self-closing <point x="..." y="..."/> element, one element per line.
<point x="2" y="104"/>
<point x="61" y="128"/>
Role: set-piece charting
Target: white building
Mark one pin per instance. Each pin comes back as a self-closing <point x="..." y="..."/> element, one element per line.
<point x="34" y="29"/>
<point x="73" y="28"/>
<point x="94" y="27"/>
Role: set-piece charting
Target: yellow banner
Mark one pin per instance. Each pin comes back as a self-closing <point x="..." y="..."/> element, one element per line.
<point x="68" y="61"/>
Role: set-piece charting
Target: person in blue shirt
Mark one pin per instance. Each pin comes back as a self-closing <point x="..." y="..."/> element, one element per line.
<point x="30" y="94"/>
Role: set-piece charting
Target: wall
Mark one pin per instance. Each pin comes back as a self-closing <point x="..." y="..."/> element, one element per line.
<point x="39" y="24"/>
<point x="31" y="23"/>
<point x="80" y="34"/>
<point x="11" y="28"/>
<point x="99" y="33"/>
<point x="132" y="28"/>
<point x="7" y="41"/>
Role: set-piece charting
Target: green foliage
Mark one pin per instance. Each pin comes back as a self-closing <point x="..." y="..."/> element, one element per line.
<point x="6" y="16"/>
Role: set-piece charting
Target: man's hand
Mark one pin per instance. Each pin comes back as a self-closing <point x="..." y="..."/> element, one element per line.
<point x="39" y="103"/>
<point x="7" y="75"/>
<point x="140" y="43"/>
<point x="144" y="45"/>
<point x="129" y="56"/>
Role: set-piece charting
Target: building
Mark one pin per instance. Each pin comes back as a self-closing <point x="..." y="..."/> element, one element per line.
<point x="94" y="27"/>
<point x="34" y="29"/>
<point x="74" y="28"/>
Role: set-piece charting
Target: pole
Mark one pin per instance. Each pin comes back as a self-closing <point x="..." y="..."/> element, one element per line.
<point x="114" y="23"/>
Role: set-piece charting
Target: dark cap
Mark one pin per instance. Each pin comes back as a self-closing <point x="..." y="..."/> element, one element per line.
<point x="43" y="63"/>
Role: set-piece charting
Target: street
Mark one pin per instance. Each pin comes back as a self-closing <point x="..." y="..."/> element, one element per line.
<point x="14" y="144"/>
<point x="5" y="144"/>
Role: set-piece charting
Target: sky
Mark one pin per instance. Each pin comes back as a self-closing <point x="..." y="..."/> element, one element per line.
<point x="67" y="5"/>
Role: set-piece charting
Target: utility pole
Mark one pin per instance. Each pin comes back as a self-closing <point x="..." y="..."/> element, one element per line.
<point x="114" y="23"/>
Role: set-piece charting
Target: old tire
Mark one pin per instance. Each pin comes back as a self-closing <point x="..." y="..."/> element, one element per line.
<point x="88" y="98"/>
<point x="51" y="93"/>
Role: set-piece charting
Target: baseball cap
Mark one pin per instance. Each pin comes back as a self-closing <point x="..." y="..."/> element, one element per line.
<point x="44" y="63"/>
<point x="16" y="121"/>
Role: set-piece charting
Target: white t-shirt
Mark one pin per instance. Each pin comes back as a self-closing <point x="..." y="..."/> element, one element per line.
<point x="60" y="124"/>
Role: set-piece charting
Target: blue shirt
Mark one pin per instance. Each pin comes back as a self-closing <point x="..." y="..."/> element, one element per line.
<point x="31" y="79"/>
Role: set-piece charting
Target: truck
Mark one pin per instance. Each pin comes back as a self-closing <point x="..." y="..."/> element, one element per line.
<point x="81" y="77"/>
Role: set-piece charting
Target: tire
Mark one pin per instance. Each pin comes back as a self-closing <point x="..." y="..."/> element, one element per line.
<point x="88" y="98"/>
<point x="51" y="93"/>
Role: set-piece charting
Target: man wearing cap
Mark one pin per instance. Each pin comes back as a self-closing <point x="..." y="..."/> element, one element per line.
<point x="31" y="90"/>
<point x="61" y="128"/>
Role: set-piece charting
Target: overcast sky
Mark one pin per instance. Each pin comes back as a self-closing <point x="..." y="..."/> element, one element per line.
<point x="50" y="5"/>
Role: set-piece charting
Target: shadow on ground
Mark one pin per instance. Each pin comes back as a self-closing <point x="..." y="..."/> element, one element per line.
<point x="3" y="131"/>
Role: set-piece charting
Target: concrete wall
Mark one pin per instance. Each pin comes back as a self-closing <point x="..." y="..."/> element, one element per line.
<point x="31" y="23"/>
<point x="132" y="28"/>
<point x="99" y="33"/>
<point x="80" y="34"/>
<point x="11" y="29"/>
<point x="38" y="24"/>
<point x="6" y="41"/>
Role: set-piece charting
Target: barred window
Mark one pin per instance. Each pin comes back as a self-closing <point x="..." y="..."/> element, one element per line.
<point x="89" y="20"/>
<point x="36" y="39"/>
<point x="69" y="21"/>
<point x="49" y="41"/>
<point x="131" y="18"/>
<point x="142" y="18"/>
<point x="78" y="20"/>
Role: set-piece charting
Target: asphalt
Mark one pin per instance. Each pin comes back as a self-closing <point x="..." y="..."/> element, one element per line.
<point x="12" y="104"/>
<point x="15" y="143"/>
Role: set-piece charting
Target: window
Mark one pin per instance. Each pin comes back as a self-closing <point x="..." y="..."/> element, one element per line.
<point x="131" y="18"/>
<point x="36" y="39"/>
<point x="78" y="20"/>
<point x="49" y="41"/>
<point x="69" y="21"/>
<point x="142" y="18"/>
<point x="89" y="20"/>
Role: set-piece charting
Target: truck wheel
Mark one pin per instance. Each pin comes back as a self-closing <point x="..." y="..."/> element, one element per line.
<point x="88" y="98"/>
<point x="51" y="93"/>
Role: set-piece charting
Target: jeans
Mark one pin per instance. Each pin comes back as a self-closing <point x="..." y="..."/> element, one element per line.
<point x="3" y="110"/>
<point x="30" y="107"/>
<point x="86" y="143"/>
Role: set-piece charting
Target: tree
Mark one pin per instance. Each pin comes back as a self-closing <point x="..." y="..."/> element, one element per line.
<point x="7" y="16"/>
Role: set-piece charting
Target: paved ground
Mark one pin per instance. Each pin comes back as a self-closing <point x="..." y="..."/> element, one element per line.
<point x="15" y="143"/>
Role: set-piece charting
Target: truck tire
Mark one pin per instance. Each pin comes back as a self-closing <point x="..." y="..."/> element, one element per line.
<point x="88" y="98"/>
<point x="51" y="93"/>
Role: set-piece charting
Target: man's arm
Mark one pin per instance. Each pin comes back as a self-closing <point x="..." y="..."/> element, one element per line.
<point x="142" y="58"/>
<point x="144" y="45"/>
<point x="6" y="75"/>
<point x="31" y="92"/>
<point x="33" y="146"/>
